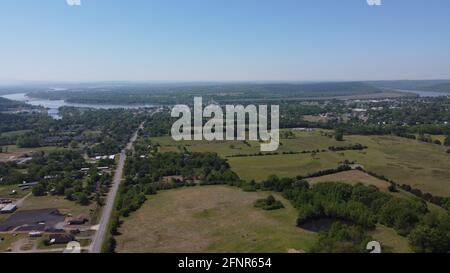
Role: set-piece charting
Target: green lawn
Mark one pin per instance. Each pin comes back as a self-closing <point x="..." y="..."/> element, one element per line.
<point x="5" y="192"/>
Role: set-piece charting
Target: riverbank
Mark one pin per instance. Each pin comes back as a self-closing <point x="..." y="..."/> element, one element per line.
<point x="53" y="106"/>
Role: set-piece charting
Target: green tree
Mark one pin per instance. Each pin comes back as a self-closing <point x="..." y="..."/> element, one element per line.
<point x="82" y="198"/>
<point x="447" y="141"/>
<point x="73" y="144"/>
<point x="69" y="193"/>
<point x="39" y="190"/>
<point x="28" y="141"/>
<point x="339" y="134"/>
<point x="424" y="239"/>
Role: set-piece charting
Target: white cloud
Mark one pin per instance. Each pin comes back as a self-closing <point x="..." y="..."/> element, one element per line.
<point x="374" y="2"/>
<point x="73" y="2"/>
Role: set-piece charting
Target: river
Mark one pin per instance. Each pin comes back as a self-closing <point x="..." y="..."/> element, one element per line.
<point x="424" y="93"/>
<point x="53" y="106"/>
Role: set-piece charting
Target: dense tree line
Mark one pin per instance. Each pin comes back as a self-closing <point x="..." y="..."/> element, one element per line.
<point x="10" y="105"/>
<point x="342" y="238"/>
<point x="443" y="202"/>
<point x="432" y="235"/>
<point x="224" y="93"/>
<point x="357" y="147"/>
<point x="24" y="121"/>
<point x="10" y="173"/>
<point x="364" y="207"/>
<point x="159" y="124"/>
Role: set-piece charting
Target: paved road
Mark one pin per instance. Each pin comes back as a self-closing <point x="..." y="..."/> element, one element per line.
<point x="97" y="241"/>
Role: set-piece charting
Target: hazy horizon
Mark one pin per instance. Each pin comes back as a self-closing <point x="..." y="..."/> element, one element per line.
<point x="56" y="84"/>
<point x="230" y="41"/>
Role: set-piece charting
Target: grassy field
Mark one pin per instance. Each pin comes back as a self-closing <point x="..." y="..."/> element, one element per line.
<point x="5" y="192"/>
<point x="303" y="141"/>
<point x="390" y="240"/>
<point x="421" y="165"/>
<point x="6" y="241"/>
<point x="352" y="178"/>
<point x="14" y="133"/>
<point x="15" y="152"/>
<point x="223" y="219"/>
<point x="15" y="149"/>
<point x="63" y="205"/>
<point x="211" y="219"/>
<point x="259" y="168"/>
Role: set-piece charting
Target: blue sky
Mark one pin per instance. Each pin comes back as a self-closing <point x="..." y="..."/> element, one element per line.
<point x="223" y="40"/>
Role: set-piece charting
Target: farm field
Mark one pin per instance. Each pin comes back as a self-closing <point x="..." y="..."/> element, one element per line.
<point x="259" y="168"/>
<point x="304" y="141"/>
<point x="211" y="219"/>
<point x="422" y="165"/>
<point x="352" y="178"/>
<point x="223" y="219"/>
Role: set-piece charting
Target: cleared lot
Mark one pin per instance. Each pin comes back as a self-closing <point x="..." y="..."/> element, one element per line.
<point x="211" y="219"/>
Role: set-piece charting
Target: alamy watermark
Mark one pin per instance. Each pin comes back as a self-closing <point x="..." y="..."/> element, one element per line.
<point x="236" y="127"/>
<point x="73" y="247"/>
<point x="374" y="247"/>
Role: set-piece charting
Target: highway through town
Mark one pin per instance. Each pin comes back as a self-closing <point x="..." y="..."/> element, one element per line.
<point x="97" y="241"/>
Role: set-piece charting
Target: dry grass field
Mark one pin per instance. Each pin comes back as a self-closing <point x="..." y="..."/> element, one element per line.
<point x="211" y="219"/>
<point x="422" y="165"/>
<point x="352" y="178"/>
<point x="223" y="219"/>
<point x="63" y="205"/>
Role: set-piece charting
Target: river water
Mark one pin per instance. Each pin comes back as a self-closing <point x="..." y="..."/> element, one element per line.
<point x="425" y="93"/>
<point x="53" y="106"/>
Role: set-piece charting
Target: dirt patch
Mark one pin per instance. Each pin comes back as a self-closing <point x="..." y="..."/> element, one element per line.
<point x="352" y="177"/>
